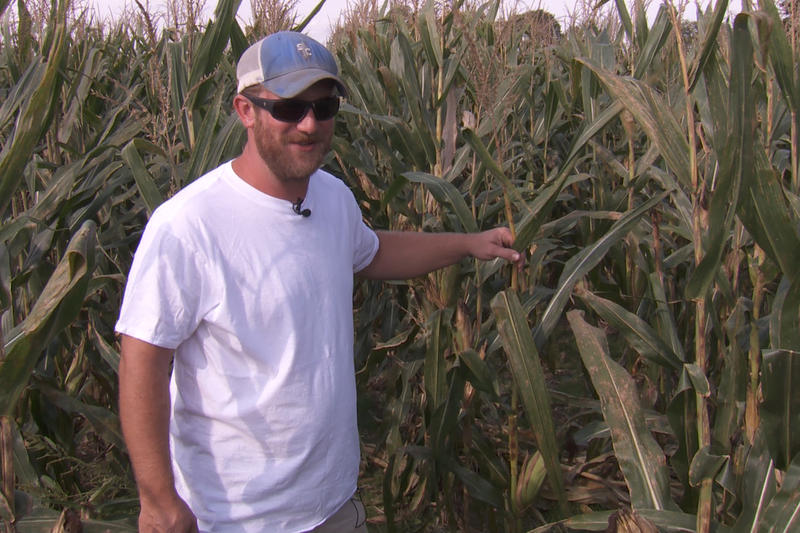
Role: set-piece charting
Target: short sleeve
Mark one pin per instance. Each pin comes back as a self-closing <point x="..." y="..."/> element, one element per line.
<point x="164" y="295"/>
<point x="365" y="241"/>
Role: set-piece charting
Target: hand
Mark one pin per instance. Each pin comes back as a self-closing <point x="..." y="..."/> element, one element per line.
<point x="495" y="243"/>
<point x="170" y="515"/>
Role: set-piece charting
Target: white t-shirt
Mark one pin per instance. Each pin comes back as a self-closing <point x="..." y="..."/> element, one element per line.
<point x="257" y="302"/>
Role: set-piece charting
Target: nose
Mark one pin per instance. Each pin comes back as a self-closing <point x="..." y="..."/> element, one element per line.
<point x="308" y="123"/>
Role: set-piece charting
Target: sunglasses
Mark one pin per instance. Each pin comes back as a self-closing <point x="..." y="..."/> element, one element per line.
<point x="293" y="110"/>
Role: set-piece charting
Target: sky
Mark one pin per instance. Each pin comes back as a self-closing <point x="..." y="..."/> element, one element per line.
<point x="329" y="14"/>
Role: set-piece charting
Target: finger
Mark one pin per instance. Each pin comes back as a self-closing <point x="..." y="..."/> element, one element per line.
<point x="509" y="254"/>
<point x="517" y="258"/>
<point x="503" y="236"/>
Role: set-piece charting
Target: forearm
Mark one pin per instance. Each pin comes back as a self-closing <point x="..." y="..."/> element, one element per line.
<point x="144" y="414"/>
<point x="403" y="255"/>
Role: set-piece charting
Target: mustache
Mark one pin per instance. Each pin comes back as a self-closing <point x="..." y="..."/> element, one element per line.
<point x="320" y="141"/>
<point x="304" y="138"/>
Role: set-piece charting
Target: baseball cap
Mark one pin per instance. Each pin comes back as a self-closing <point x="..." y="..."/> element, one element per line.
<point x="287" y="63"/>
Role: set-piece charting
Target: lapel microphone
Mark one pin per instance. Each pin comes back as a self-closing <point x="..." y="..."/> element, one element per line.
<point x="297" y="207"/>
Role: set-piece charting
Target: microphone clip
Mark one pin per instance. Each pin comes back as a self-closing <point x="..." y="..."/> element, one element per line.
<point x="297" y="207"/>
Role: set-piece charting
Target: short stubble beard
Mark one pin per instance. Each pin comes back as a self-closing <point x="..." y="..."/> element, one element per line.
<point x="278" y="158"/>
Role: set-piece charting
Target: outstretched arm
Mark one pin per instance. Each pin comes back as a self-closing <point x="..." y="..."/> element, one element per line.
<point x="405" y="254"/>
<point x="144" y="413"/>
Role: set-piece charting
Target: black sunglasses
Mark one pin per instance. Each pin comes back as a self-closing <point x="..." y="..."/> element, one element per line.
<point x="294" y="110"/>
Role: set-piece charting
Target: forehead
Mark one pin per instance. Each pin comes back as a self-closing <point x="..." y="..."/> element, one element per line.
<point x="320" y="89"/>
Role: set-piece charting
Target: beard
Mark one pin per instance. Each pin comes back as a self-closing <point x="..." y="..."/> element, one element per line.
<point x="284" y="163"/>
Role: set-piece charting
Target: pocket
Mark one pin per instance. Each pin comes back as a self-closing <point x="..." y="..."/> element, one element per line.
<point x="350" y="518"/>
<point x="361" y="514"/>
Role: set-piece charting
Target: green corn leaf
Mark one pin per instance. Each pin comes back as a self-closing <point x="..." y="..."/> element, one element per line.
<point x="29" y="80"/>
<point x="760" y="488"/>
<point x="406" y="69"/>
<point x="665" y="321"/>
<point x="210" y="50"/>
<point x="120" y="127"/>
<point x="388" y="498"/>
<point x="712" y="95"/>
<point x="496" y="171"/>
<point x="697" y="378"/>
<point x="5" y="277"/>
<point x="625" y="18"/>
<point x="179" y="91"/>
<point x="673" y="521"/>
<point x="489" y="462"/>
<point x="523" y="358"/>
<point x="445" y="418"/>
<point x="541" y="207"/>
<point x="56" y="307"/>
<point x="204" y="155"/>
<point x="733" y="377"/>
<point x="448" y="195"/>
<point x="783" y="330"/>
<point x="737" y="163"/>
<point x="641" y="460"/>
<point x="783" y="513"/>
<point x="653" y="114"/>
<point x="454" y="71"/>
<point x="705" y="465"/>
<point x="429" y="34"/>
<point x="682" y="414"/>
<point x="780" y="410"/>
<point x="62" y="183"/>
<point x="35" y="115"/>
<point x="582" y="262"/>
<point x="313" y="13"/>
<point x="78" y="92"/>
<point x="595" y="521"/>
<point x="226" y="145"/>
<point x="109" y="354"/>
<point x="710" y="43"/>
<point x="435" y="365"/>
<point x="402" y="404"/>
<point x="144" y="180"/>
<point x="478" y="487"/>
<point x="24" y="471"/>
<point x="781" y="56"/>
<point x="530" y="480"/>
<point x="391" y="87"/>
<point x="636" y="331"/>
<point x="767" y="216"/>
<point x="656" y="39"/>
<point x="494" y="168"/>
<point x="43" y="519"/>
<point x="103" y="421"/>
<point x="478" y="372"/>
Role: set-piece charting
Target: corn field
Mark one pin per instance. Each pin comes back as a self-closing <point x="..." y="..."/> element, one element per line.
<point x="641" y="373"/>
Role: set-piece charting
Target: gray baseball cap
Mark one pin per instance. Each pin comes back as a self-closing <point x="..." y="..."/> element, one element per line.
<point x="287" y="63"/>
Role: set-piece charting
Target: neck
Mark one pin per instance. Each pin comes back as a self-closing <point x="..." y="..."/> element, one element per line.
<point x="254" y="171"/>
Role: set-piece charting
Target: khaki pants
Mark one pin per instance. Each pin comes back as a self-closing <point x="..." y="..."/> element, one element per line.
<point x="350" y="518"/>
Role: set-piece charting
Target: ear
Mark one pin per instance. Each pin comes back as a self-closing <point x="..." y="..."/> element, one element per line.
<point x="245" y="109"/>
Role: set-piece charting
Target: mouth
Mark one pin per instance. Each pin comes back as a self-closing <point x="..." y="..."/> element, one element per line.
<point x="304" y="141"/>
<point x="305" y="146"/>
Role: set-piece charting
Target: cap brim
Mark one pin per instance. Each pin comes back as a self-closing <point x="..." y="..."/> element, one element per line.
<point x="292" y="84"/>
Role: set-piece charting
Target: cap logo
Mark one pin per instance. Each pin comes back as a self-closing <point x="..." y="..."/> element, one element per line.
<point x="304" y="50"/>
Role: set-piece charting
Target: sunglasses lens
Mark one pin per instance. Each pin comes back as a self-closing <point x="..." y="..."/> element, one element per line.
<point x="289" y="110"/>
<point x="326" y="108"/>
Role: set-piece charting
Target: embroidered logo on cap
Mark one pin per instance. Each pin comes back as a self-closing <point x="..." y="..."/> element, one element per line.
<point x="304" y="50"/>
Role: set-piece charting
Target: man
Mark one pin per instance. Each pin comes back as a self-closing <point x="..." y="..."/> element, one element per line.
<point x="244" y="279"/>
